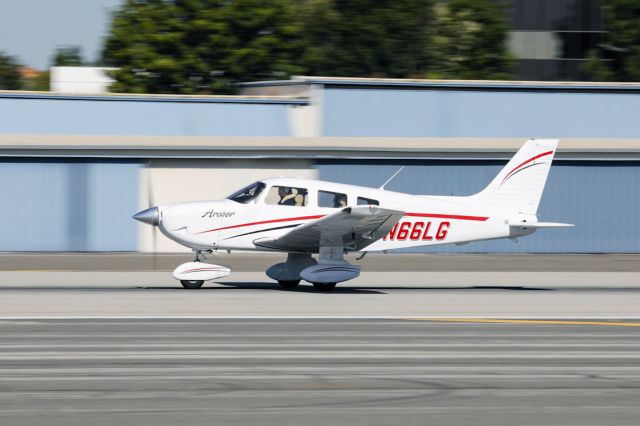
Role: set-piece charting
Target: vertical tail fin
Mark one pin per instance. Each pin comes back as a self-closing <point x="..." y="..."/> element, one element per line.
<point x="518" y="187"/>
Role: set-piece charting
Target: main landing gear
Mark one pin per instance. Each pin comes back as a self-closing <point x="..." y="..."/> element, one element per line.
<point x="323" y="274"/>
<point x="291" y="284"/>
<point x="324" y="287"/>
<point x="288" y="273"/>
<point x="288" y="284"/>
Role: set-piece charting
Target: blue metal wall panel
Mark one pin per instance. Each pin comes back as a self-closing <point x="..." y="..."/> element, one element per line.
<point x="111" y="201"/>
<point x="68" y="206"/>
<point x="455" y="113"/>
<point x="94" y="117"/>
<point x="600" y="198"/>
<point x="34" y="208"/>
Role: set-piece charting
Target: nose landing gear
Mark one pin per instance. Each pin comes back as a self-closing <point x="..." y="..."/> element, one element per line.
<point x="199" y="256"/>
<point x="192" y="275"/>
<point x="192" y="284"/>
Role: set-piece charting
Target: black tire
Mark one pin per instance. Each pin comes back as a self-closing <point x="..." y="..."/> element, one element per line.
<point x="324" y="287"/>
<point x="288" y="285"/>
<point x="191" y="284"/>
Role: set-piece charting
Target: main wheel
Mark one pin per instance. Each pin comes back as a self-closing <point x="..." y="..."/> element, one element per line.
<point x="191" y="284"/>
<point x="288" y="285"/>
<point x="324" y="286"/>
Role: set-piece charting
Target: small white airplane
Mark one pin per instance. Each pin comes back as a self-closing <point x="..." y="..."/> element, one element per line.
<point x="303" y="217"/>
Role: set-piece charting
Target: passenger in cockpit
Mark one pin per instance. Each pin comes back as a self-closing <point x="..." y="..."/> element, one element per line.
<point x="340" y="200"/>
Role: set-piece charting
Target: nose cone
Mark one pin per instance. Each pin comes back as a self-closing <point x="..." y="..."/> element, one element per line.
<point x="150" y="216"/>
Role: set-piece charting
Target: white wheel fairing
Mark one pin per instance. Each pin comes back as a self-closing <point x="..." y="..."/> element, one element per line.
<point x="331" y="272"/>
<point x="200" y="271"/>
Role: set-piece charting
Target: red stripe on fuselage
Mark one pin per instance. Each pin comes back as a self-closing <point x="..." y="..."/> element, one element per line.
<point x="526" y="162"/>
<point x="290" y="219"/>
<point x="447" y="216"/>
<point x="262" y="222"/>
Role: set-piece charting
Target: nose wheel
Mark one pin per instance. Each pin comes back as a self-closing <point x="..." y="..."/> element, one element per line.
<point x="192" y="284"/>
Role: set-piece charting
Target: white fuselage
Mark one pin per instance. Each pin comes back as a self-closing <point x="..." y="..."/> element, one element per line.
<point x="232" y="225"/>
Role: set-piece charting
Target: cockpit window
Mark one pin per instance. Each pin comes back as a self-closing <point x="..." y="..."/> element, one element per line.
<point x="332" y="199"/>
<point x="367" y="201"/>
<point x="286" y="196"/>
<point x="247" y="194"/>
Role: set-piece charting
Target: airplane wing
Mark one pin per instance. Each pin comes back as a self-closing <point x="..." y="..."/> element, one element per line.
<point x="352" y="227"/>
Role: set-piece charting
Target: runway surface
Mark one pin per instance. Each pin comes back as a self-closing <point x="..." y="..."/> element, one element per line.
<point x="413" y="348"/>
<point x="373" y="294"/>
<point x="317" y="372"/>
<point x="373" y="262"/>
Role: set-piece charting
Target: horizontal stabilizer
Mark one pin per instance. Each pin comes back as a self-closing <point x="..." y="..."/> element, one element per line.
<point x="541" y="224"/>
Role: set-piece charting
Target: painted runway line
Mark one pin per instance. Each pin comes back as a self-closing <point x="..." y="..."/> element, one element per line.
<point x="537" y="321"/>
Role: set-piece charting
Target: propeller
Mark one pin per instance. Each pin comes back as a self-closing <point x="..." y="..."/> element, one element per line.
<point x="151" y="203"/>
<point x="150" y="215"/>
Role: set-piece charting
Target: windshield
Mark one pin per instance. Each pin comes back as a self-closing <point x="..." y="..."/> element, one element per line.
<point x="248" y="193"/>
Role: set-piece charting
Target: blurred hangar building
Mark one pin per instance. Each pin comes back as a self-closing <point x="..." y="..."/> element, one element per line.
<point x="552" y="38"/>
<point x="74" y="167"/>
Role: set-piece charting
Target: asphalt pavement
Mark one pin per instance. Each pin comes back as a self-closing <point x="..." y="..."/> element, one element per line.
<point x="318" y="372"/>
<point x="373" y="262"/>
<point x="374" y="294"/>
<point x="501" y="341"/>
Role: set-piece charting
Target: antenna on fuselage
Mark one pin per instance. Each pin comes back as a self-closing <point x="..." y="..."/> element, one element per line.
<point x="391" y="178"/>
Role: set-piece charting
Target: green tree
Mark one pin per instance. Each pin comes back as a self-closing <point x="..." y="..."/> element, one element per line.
<point x="201" y="46"/>
<point x="464" y="39"/>
<point x="69" y="56"/>
<point x="208" y="46"/>
<point x="9" y="73"/>
<point x="365" y="38"/>
<point x="468" y="41"/>
<point x="618" y="57"/>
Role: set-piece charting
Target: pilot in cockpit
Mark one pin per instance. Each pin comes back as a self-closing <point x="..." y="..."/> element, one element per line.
<point x="287" y="196"/>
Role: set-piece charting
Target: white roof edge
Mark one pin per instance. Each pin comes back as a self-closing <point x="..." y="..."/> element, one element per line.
<point x="302" y="79"/>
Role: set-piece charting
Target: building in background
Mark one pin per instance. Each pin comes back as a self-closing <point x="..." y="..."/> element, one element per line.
<point x="552" y="38"/>
<point x="86" y="80"/>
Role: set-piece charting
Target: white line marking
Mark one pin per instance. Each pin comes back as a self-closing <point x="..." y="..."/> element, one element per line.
<point x="262" y="356"/>
<point x="316" y="317"/>
<point x="317" y="345"/>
